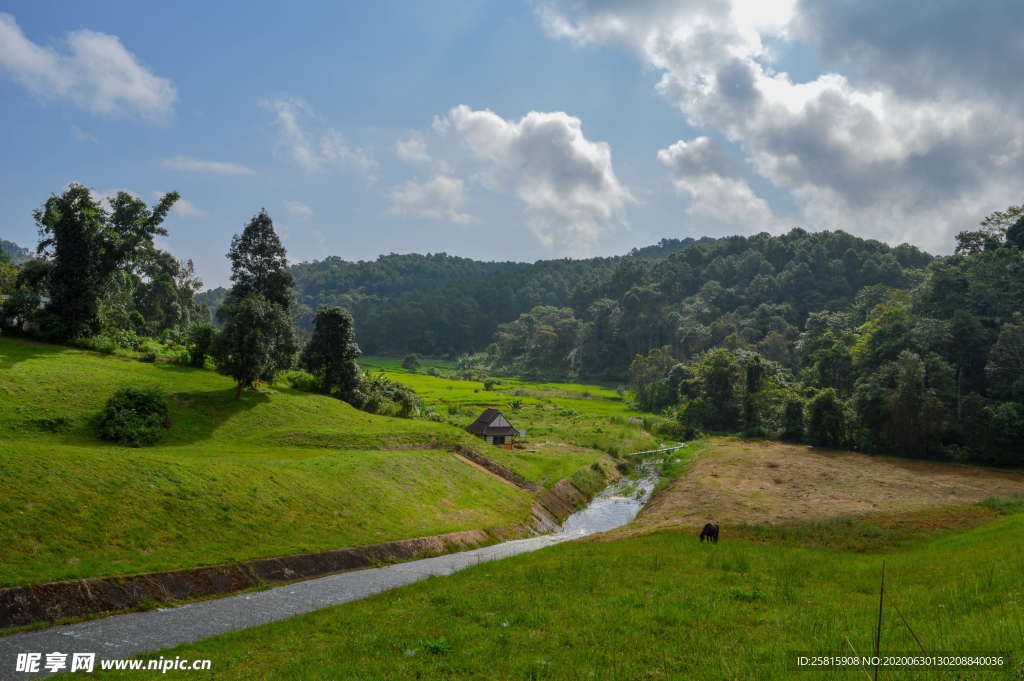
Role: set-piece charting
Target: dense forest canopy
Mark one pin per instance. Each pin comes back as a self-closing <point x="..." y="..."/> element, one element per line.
<point x="438" y="304"/>
<point x="602" y="310"/>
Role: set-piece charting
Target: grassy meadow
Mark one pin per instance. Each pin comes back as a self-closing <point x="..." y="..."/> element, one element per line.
<point x="553" y="414"/>
<point x="662" y="606"/>
<point x="278" y="472"/>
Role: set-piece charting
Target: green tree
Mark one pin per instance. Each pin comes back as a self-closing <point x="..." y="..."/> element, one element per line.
<point x="165" y="294"/>
<point x="1005" y="368"/>
<point x="1007" y="424"/>
<point x="8" y="275"/>
<point x="826" y="419"/>
<point x="723" y="377"/>
<point x="332" y="352"/>
<point x="85" y="245"/>
<point x="793" y="420"/>
<point x="411" y="362"/>
<point x="200" y="342"/>
<point x="915" y="411"/>
<point x="259" y="264"/>
<point x="648" y="379"/>
<point x="1015" y="234"/>
<point x="256" y="341"/>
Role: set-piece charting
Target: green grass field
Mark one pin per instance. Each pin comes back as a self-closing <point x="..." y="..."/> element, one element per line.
<point x="662" y="606"/>
<point x="585" y="416"/>
<point x="277" y="472"/>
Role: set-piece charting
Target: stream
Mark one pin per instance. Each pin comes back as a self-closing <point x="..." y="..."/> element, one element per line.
<point x="122" y="636"/>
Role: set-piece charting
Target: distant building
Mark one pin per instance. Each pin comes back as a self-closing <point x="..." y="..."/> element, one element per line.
<point x="493" y="427"/>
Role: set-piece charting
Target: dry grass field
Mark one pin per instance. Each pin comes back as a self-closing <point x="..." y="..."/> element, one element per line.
<point x="735" y="481"/>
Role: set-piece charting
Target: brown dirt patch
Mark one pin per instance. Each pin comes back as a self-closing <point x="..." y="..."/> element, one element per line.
<point x="733" y="481"/>
<point x="484" y="470"/>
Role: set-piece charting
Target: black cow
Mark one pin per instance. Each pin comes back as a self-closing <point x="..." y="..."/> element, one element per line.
<point x="710" y="532"/>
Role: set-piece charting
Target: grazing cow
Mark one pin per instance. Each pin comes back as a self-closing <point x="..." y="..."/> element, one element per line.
<point x="710" y="532"/>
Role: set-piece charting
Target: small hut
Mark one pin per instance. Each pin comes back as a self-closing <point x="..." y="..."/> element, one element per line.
<point x="493" y="427"/>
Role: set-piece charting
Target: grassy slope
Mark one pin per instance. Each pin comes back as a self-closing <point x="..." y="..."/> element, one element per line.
<point x="661" y="606"/>
<point x="277" y="472"/>
<point x="584" y="416"/>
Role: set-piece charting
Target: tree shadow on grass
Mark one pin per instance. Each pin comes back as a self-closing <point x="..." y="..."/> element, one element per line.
<point x="196" y="416"/>
<point x="22" y="349"/>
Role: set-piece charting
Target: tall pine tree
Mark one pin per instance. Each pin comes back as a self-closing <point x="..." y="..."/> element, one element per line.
<point x="258" y="338"/>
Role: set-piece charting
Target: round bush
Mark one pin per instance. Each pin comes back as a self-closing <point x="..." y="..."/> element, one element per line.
<point x="135" y="417"/>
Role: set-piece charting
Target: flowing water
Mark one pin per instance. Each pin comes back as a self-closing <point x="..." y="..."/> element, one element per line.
<point x="121" y="636"/>
<point x="614" y="506"/>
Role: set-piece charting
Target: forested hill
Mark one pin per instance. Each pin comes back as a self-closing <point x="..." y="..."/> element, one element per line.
<point x="16" y="253"/>
<point x="589" y="317"/>
<point x="441" y="304"/>
<point x="736" y="292"/>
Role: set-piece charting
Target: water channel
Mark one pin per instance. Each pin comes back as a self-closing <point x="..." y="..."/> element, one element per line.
<point x="121" y="636"/>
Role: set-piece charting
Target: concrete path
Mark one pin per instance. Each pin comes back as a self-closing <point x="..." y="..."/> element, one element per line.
<point x="123" y="636"/>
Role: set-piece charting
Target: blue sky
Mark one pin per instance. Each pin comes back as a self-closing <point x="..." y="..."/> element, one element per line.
<point x="512" y="130"/>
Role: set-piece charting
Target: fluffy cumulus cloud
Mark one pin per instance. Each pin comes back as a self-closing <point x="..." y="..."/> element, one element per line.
<point x="96" y="72"/>
<point x="439" y="198"/>
<point x="194" y="165"/>
<point x="910" y="132"/>
<point x="310" y="145"/>
<point x="564" y="181"/>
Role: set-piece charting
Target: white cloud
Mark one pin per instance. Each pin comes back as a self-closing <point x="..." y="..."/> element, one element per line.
<point x="194" y="165"/>
<point x="565" y="182"/>
<point x="181" y="207"/>
<point x="298" y="209"/>
<point x="97" y="73"/>
<point x="865" y="151"/>
<point x="185" y="209"/>
<point x="701" y="170"/>
<point x="313" y="151"/>
<point x="412" y="149"/>
<point x="440" y="198"/>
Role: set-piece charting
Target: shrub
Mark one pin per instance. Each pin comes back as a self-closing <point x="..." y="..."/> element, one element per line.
<point x="302" y="380"/>
<point x="137" y="417"/>
<point x="411" y="362"/>
<point x="200" y="340"/>
<point x="103" y="344"/>
<point x="380" y="395"/>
